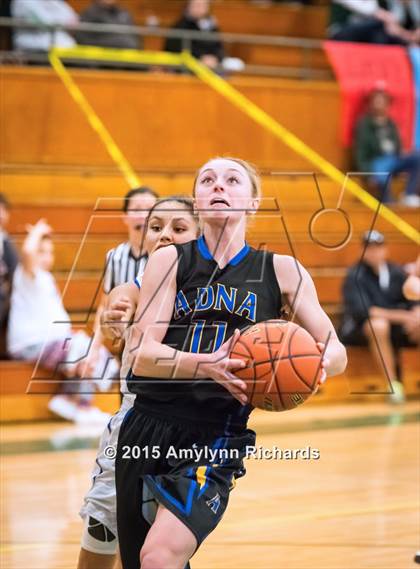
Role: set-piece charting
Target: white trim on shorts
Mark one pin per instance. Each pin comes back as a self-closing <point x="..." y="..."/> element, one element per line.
<point x="101" y="500"/>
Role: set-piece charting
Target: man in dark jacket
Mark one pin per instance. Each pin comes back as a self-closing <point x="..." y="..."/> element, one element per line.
<point x="377" y="150"/>
<point x="107" y="12"/>
<point x="376" y="313"/>
<point x="197" y="18"/>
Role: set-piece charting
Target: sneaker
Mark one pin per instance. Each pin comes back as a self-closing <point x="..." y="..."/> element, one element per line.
<point x="63" y="407"/>
<point x="411" y="200"/>
<point x="233" y="64"/>
<point x="397" y="396"/>
<point x="91" y="416"/>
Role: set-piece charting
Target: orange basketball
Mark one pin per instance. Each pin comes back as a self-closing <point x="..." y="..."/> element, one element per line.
<point x="283" y="364"/>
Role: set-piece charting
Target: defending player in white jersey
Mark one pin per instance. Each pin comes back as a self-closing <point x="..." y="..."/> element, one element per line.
<point x="170" y="221"/>
<point x="125" y="261"/>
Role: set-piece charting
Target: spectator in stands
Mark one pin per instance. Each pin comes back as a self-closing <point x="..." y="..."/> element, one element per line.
<point x="107" y="12"/>
<point x="125" y="261"/>
<point x="375" y="309"/>
<point x="375" y="21"/>
<point x="197" y="17"/>
<point x="49" y="12"/>
<point x="8" y="263"/>
<point x="377" y="149"/>
<point x="39" y="330"/>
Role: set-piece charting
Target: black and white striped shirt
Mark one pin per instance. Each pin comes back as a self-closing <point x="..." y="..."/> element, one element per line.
<point x="122" y="266"/>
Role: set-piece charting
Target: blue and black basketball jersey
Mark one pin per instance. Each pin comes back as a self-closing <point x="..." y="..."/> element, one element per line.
<point x="210" y="304"/>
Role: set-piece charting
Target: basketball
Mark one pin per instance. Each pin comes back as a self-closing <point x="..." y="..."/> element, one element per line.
<point x="283" y="364"/>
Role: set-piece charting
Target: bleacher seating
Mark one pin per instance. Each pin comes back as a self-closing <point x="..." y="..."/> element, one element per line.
<point x="244" y="17"/>
<point x="23" y="400"/>
<point x="53" y="165"/>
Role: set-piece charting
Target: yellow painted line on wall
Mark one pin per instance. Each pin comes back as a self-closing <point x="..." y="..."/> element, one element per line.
<point x="94" y="121"/>
<point x="270" y="124"/>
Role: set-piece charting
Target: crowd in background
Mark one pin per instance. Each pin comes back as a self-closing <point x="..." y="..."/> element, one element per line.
<point x="368" y="21"/>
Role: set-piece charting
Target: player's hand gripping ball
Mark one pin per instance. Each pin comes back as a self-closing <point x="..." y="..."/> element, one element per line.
<point x="283" y="364"/>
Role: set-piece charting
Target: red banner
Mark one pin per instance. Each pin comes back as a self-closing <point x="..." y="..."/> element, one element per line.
<point x="361" y="67"/>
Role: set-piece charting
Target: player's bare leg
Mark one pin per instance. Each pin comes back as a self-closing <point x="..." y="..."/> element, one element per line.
<point x="89" y="560"/>
<point x="169" y="543"/>
<point x="379" y="337"/>
<point x="413" y="330"/>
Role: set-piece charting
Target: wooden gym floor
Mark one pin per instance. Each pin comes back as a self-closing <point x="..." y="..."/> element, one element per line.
<point x="354" y="508"/>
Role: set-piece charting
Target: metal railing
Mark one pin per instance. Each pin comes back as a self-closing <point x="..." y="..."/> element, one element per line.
<point x="305" y="71"/>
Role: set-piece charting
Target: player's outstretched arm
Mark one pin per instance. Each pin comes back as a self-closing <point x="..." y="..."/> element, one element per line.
<point x="151" y="321"/>
<point x="298" y="287"/>
<point x="30" y="247"/>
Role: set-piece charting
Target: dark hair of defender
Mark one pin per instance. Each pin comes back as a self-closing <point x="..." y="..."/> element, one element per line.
<point x="183" y="200"/>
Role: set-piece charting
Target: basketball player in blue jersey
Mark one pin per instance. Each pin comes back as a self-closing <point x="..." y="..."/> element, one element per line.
<point x="170" y="220"/>
<point x="173" y="480"/>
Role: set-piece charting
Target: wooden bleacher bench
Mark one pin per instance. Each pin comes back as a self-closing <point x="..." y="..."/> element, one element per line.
<point x="92" y="254"/>
<point x="21" y="378"/>
<point x="364" y="380"/>
<point x="76" y="219"/>
<point x="137" y="94"/>
<point x="24" y="395"/>
<point x="103" y="189"/>
<point x="84" y="290"/>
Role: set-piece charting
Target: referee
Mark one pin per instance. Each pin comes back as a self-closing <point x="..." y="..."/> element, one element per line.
<point x="124" y="261"/>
